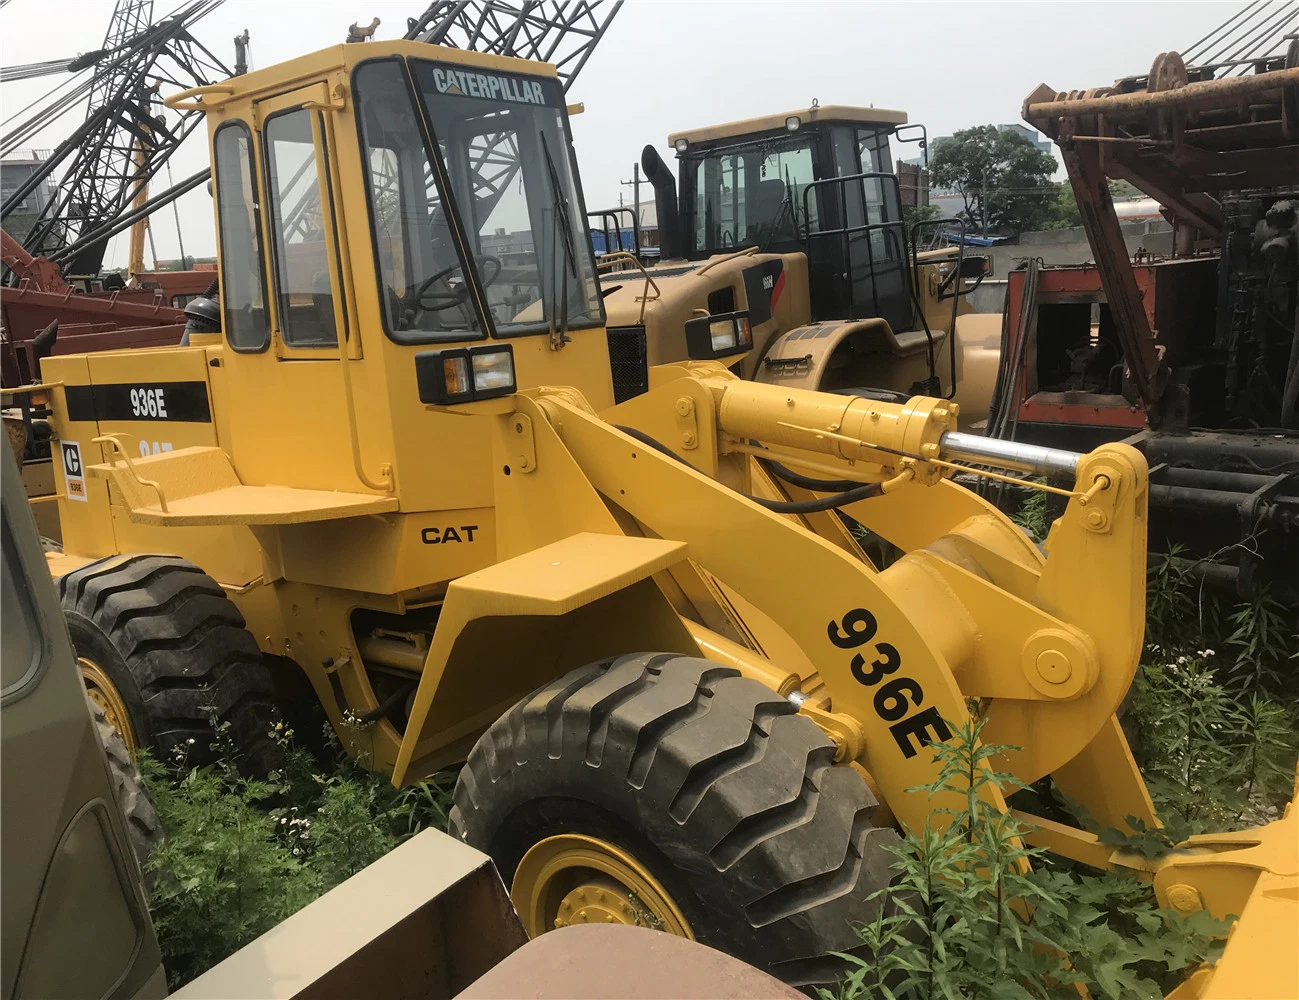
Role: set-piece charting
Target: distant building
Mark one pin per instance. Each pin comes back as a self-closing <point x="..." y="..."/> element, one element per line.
<point x="14" y="171"/>
<point x="1031" y="134"/>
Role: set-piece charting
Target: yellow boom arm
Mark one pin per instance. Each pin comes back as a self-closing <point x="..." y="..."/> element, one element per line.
<point x="1046" y="641"/>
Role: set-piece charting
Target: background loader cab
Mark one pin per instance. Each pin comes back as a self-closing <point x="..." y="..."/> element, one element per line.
<point x="790" y="186"/>
<point x="798" y="219"/>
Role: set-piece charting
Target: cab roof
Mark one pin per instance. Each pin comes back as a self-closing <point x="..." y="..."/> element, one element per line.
<point x="816" y="113"/>
<point x="282" y="76"/>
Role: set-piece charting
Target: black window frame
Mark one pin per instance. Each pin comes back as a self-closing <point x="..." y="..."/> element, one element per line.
<point x="281" y="299"/>
<point x="254" y="180"/>
<point x="407" y="338"/>
<point x="561" y="108"/>
<point x="688" y="169"/>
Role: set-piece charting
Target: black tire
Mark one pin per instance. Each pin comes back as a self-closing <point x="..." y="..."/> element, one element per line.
<point x="712" y="781"/>
<point x="142" y="824"/>
<point x="176" y="649"/>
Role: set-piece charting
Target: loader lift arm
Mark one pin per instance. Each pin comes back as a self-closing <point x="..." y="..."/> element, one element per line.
<point x="1047" y="644"/>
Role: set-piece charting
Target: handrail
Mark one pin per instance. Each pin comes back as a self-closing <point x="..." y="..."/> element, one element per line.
<point x="180" y="101"/>
<point x="130" y="467"/>
<point x="746" y="252"/>
<point x="868" y="227"/>
<point x="613" y="213"/>
<point x="623" y="257"/>
<point x="954" y="277"/>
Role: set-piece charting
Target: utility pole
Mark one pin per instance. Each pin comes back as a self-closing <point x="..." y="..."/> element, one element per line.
<point x="634" y="184"/>
<point x="983" y="201"/>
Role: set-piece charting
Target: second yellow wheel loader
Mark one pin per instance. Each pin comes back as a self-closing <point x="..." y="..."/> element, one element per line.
<point x="397" y="483"/>
<point x="795" y="223"/>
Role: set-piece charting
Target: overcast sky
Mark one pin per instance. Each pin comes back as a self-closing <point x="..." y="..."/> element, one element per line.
<point x="664" y="66"/>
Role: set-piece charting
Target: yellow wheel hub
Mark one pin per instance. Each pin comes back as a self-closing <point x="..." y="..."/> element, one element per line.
<point x="573" y="879"/>
<point x="103" y="692"/>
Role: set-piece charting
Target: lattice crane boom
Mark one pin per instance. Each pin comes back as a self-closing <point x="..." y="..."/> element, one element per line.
<point x="558" y="32"/>
<point x="110" y="157"/>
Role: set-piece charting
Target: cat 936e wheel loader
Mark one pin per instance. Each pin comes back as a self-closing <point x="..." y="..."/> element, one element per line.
<point x="397" y="480"/>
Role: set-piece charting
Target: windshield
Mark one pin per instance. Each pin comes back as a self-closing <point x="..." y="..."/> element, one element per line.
<point x="505" y="159"/>
<point x="750" y="195"/>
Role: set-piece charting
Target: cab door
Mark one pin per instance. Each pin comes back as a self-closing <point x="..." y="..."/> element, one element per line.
<point x="290" y="416"/>
<point x="877" y="266"/>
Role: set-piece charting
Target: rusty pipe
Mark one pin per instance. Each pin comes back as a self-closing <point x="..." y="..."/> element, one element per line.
<point x="1192" y="95"/>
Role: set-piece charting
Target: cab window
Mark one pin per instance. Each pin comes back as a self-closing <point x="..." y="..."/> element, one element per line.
<point x="506" y="150"/>
<point x="752" y="194"/>
<point x="303" y="280"/>
<point x="421" y="272"/>
<point x="243" y="276"/>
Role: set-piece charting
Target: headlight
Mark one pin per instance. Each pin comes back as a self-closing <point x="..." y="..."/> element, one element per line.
<point x="463" y="375"/>
<point x="793" y="122"/>
<point x="730" y="334"/>
<point x="711" y="337"/>
<point x="493" y="371"/>
<point x="681" y="145"/>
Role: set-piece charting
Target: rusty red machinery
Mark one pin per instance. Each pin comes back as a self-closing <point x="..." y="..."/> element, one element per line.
<point x="1194" y="359"/>
<point x="84" y="320"/>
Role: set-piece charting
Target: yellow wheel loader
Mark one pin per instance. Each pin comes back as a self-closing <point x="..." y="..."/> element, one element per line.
<point x="398" y="482"/>
<point x="793" y="223"/>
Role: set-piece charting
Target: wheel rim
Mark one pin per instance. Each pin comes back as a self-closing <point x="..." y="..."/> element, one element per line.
<point x="103" y="692"/>
<point x="572" y="879"/>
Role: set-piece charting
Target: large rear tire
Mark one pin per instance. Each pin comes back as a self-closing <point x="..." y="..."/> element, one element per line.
<point x="165" y="653"/>
<point x="667" y="790"/>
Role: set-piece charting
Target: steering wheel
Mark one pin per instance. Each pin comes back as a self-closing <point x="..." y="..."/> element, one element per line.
<point x="427" y="299"/>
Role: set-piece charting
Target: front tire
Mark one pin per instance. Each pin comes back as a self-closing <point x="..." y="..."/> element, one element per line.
<point x="660" y="786"/>
<point x="143" y="827"/>
<point x="165" y="653"/>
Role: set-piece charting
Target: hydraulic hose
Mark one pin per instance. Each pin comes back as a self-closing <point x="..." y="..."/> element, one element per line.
<point x="845" y="491"/>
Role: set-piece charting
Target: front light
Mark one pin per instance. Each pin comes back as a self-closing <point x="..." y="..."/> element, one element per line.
<point x="711" y="337"/>
<point x="464" y="375"/>
<point x="730" y="334"/>
<point x="493" y="370"/>
<point x="793" y="122"/>
<point x="455" y="375"/>
<point x="681" y="145"/>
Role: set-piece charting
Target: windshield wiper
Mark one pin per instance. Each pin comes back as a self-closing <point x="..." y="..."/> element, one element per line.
<point x="563" y="228"/>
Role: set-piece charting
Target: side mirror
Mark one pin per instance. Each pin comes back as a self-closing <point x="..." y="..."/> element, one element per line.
<point x="976" y="266"/>
<point x="718" y="336"/>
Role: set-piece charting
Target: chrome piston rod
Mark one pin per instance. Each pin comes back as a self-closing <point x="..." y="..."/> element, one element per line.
<point x="1008" y="454"/>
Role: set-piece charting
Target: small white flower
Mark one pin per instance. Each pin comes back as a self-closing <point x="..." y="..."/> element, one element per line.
<point x="283" y="820"/>
<point x="190" y="741"/>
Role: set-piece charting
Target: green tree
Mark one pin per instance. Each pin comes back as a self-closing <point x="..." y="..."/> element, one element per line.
<point x="1003" y="179"/>
<point x="1064" y="208"/>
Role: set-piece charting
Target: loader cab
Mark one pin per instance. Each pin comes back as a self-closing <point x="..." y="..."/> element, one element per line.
<point x="817" y="181"/>
<point x="383" y="209"/>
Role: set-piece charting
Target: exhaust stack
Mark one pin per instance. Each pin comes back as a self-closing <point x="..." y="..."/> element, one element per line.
<point x="665" y="198"/>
